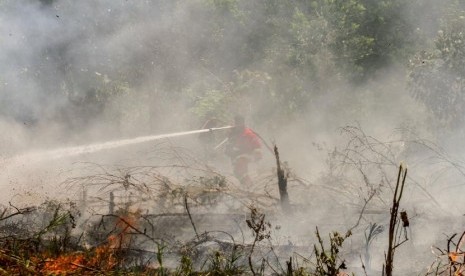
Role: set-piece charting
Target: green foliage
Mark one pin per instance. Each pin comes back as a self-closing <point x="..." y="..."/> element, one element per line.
<point x="364" y="35"/>
<point x="328" y="261"/>
<point x="437" y="75"/>
<point x="160" y="252"/>
<point x="212" y="104"/>
<point x="304" y="48"/>
<point x="222" y="264"/>
<point x="267" y="59"/>
<point x="224" y="99"/>
<point x="185" y="266"/>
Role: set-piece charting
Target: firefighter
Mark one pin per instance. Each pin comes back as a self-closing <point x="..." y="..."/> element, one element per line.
<point x="243" y="147"/>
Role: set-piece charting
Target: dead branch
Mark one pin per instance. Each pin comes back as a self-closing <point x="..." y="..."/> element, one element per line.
<point x="190" y="217"/>
<point x="393" y="242"/>
<point x="282" y="182"/>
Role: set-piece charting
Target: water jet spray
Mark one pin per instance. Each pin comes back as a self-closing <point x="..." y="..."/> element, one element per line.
<point x="91" y="148"/>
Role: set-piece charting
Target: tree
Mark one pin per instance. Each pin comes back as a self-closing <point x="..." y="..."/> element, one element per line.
<point x="437" y="75"/>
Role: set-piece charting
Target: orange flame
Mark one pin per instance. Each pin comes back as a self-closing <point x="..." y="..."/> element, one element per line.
<point x="101" y="259"/>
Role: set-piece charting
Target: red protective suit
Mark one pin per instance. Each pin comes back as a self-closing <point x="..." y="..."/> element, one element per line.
<point x="244" y="147"/>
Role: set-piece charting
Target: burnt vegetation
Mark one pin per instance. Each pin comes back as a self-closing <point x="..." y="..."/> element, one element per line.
<point x="187" y="219"/>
